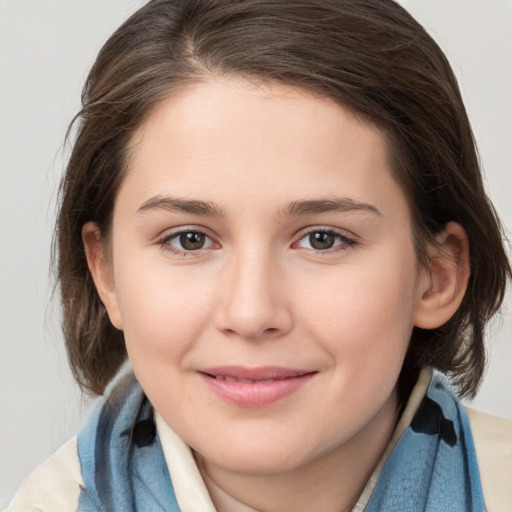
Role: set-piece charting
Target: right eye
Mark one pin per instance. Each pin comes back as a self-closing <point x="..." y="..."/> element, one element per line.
<point x="187" y="241"/>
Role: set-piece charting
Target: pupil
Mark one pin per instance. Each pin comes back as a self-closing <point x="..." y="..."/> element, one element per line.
<point x="192" y="240"/>
<point x="321" y="240"/>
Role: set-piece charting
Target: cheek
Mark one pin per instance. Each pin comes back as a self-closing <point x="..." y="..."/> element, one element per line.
<point x="164" y="315"/>
<point x="365" y="314"/>
<point x="163" y="310"/>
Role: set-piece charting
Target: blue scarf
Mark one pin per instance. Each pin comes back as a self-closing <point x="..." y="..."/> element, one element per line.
<point x="433" y="467"/>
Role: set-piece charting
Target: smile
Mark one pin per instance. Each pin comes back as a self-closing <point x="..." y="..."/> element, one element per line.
<point x="254" y="387"/>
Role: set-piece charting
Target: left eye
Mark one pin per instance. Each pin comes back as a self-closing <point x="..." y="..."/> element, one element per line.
<point x="186" y="241"/>
<point x="323" y="240"/>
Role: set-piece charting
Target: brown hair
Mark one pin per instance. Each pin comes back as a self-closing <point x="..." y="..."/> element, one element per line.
<point x="369" y="55"/>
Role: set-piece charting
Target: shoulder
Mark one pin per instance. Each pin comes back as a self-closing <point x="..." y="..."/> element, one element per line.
<point x="54" y="486"/>
<point x="492" y="437"/>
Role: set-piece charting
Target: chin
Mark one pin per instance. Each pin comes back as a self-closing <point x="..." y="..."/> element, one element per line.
<point x="260" y="458"/>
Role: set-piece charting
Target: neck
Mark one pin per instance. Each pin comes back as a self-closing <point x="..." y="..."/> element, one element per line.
<point x="332" y="482"/>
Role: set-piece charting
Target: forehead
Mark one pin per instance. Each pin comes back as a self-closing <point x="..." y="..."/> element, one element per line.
<point x="228" y="139"/>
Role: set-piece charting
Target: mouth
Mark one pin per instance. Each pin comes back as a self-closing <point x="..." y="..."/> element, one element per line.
<point x="254" y="387"/>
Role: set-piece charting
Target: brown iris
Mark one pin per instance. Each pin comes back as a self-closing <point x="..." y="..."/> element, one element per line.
<point x="192" y="240"/>
<point x="322" y="240"/>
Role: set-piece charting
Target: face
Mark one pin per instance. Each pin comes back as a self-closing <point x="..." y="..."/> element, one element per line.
<point x="263" y="274"/>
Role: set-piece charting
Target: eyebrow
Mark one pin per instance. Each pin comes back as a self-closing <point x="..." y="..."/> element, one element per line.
<point x="337" y="204"/>
<point x="295" y="208"/>
<point x="173" y="204"/>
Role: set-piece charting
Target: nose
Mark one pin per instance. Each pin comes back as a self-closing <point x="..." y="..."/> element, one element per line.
<point x="253" y="299"/>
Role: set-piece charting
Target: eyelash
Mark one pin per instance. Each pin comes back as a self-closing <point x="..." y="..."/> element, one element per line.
<point x="345" y="244"/>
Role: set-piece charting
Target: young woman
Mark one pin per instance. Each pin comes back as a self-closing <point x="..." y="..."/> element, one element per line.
<point x="275" y="211"/>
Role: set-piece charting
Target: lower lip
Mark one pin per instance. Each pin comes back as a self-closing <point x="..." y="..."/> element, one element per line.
<point x="255" y="394"/>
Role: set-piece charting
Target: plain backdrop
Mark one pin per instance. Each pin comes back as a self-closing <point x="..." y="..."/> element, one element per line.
<point x="46" y="50"/>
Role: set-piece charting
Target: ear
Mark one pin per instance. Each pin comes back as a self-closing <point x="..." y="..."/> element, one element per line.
<point x="100" y="268"/>
<point x="444" y="284"/>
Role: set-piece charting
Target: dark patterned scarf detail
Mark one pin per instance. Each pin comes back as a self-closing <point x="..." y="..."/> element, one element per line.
<point x="433" y="467"/>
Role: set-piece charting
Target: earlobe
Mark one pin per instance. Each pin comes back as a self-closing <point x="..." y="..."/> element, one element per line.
<point x="444" y="283"/>
<point x="101" y="271"/>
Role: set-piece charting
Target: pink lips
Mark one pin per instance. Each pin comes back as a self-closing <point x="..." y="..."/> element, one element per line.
<point x="254" y="387"/>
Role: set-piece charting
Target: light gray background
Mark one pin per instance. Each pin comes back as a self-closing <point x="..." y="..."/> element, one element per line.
<point x="46" y="49"/>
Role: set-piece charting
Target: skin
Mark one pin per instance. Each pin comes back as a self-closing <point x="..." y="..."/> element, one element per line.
<point x="258" y="293"/>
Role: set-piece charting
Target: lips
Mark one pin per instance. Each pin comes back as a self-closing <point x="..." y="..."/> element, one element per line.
<point x="254" y="387"/>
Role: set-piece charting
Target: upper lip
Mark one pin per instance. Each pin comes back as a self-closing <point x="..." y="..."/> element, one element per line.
<point x="255" y="374"/>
